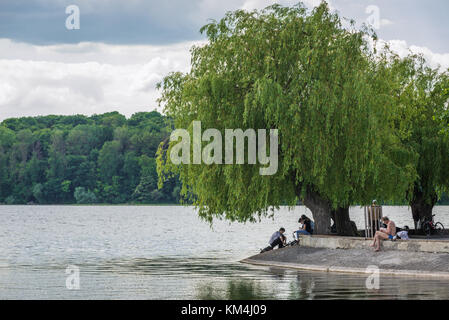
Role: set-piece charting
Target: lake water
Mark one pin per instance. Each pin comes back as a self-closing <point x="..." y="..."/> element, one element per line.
<point x="167" y="252"/>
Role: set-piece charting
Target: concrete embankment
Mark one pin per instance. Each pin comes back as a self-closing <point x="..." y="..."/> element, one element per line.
<point x="413" y="245"/>
<point x="418" y="258"/>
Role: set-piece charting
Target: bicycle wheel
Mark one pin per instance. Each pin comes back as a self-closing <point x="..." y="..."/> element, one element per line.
<point x="439" y="228"/>
<point x="426" y="228"/>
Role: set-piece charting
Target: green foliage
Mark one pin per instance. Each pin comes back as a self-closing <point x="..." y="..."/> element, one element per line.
<point x="83" y="196"/>
<point x="316" y="82"/>
<point x="148" y="180"/>
<point x="423" y="99"/>
<point x="38" y="193"/>
<point x="10" y="200"/>
<point x="65" y="186"/>
<point x="68" y="159"/>
<point x="110" y="160"/>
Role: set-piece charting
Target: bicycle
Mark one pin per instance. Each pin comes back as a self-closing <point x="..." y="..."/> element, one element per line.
<point x="430" y="226"/>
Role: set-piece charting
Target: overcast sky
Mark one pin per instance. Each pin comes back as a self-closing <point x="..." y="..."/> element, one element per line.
<point x="124" y="47"/>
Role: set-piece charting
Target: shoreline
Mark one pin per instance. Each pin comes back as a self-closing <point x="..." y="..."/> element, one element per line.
<point x="347" y="270"/>
<point x="356" y="261"/>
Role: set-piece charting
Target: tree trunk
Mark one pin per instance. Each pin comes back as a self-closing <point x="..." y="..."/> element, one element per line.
<point x="344" y="225"/>
<point x="321" y="211"/>
<point x="422" y="207"/>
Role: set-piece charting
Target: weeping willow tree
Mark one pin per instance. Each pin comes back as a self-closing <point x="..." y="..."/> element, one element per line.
<point x="316" y="82"/>
<point x="422" y="95"/>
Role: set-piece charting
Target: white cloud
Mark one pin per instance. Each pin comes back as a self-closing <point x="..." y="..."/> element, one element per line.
<point x="403" y="49"/>
<point x="385" y="22"/>
<point x="89" y="78"/>
<point x="84" y="78"/>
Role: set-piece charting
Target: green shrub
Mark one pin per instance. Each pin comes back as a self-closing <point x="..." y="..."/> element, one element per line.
<point x="83" y="196"/>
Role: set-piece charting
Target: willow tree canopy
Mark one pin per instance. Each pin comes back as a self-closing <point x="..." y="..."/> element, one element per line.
<point x="315" y="81"/>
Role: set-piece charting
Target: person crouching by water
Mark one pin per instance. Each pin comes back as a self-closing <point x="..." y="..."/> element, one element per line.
<point x="384" y="233"/>
<point x="307" y="226"/>
<point x="277" y="239"/>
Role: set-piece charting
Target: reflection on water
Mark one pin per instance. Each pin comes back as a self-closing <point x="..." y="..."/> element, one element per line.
<point x="317" y="285"/>
<point x="233" y="290"/>
<point x="166" y="253"/>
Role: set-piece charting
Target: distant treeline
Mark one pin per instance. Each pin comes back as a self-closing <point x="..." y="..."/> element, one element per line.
<point x="78" y="159"/>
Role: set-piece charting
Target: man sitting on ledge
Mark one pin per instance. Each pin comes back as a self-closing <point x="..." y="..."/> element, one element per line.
<point x="277" y="239"/>
<point x="384" y="233"/>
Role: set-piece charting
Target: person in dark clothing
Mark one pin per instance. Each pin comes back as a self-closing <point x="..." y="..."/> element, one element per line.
<point x="307" y="226"/>
<point x="277" y="240"/>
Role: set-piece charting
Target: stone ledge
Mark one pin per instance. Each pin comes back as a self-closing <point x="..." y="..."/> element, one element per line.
<point x="337" y="242"/>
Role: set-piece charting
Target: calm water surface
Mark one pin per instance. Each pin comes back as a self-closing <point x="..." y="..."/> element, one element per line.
<point x="166" y="252"/>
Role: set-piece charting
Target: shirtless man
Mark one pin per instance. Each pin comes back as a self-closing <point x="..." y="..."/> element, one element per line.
<point x="383" y="233"/>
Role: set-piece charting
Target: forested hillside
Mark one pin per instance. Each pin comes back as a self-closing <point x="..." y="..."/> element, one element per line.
<point x="104" y="158"/>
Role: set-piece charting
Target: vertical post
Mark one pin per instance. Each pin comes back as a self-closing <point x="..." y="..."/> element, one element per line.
<point x="366" y="222"/>
<point x="366" y="228"/>
<point x="372" y="216"/>
<point x="380" y="213"/>
<point x="370" y="221"/>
